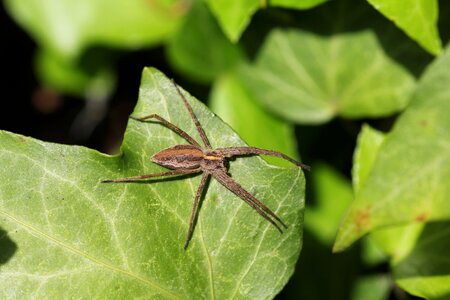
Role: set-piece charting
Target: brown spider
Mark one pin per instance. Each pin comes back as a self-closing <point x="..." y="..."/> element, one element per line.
<point x="193" y="158"/>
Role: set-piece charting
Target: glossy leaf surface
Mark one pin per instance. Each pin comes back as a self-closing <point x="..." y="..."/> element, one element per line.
<point x="308" y="78"/>
<point x="418" y="148"/>
<point x="78" y="237"/>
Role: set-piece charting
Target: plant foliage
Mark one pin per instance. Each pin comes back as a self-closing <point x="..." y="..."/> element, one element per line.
<point x="359" y="88"/>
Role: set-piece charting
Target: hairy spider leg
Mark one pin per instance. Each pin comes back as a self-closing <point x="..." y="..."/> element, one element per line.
<point x="162" y="174"/>
<point x="193" y="117"/>
<point x="237" y="151"/>
<point x="200" y="189"/>
<point x="176" y="129"/>
<point x="238" y="190"/>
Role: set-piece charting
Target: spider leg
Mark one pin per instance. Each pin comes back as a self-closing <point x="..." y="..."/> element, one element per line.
<point x="194" y="117"/>
<point x="240" y="151"/>
<point x="139" y="177"/>
<point x="238" y="190"/>
<point x="176" y="129"/>
<point x="200" y="189"/>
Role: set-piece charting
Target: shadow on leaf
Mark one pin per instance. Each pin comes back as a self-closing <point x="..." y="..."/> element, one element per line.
<point x="7" y="247"/>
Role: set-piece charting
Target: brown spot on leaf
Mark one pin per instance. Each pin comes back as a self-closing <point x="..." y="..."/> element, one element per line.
<point x="422" y="217"/>
<point x="362" y="217"/>
<point x="424" y="123"/>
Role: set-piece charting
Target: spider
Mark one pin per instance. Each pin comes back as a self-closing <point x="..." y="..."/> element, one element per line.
<point x="193" y="158"/>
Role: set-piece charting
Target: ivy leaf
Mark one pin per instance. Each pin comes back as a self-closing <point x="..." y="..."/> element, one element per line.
<point x="425" y="272"/>
<point x="309" y="78"/>
<point x="398" y="240"/>
<point x="235" y="15"/>
<point x="418" y="149"/>
<point x="298" y="4"/>
<point x="65" y="29"/>
<point x="200" y="49"/>
<point x="418" y="18"/>
<point x="236" y="106"/>
<point x="375" y="287"/>
<point x="78" y="237"/>
<point x="368" y="145"/>
<point x="333" y="194"/>
<point x="417" y="251"/>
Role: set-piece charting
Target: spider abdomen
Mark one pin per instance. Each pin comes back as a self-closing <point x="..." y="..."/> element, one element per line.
<point x="179" y="157"/>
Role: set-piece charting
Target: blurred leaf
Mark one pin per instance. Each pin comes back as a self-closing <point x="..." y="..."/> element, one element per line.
<point x="299" y="4"/>
<point x="235" y="15"/>
<point x="232" y="102"/>
<point x="425" y="272"/>
<point x="65" y="75"/>
<point x="68" y="27"/>
<point x="372" y="288"/>
<point x="200" y="49"/>
<point x="418" y="18"/>
<point x="409" y="179"/>
<point x="77" y="237"/>
<point x="395" y="241"/>
<point x="309" y="78"/>
<point x="333" y="193"/>
<point x="366" y="152"/>
<point x="65" y="29"/>
<point x="371" y="254"/>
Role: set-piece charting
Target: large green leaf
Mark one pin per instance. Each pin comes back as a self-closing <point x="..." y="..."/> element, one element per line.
<point x="418" y="18"/>
<point x="418" y="256"/>
<point x="236" y="106"/>
<point x="78" y="237"/>
<point x="417" y="251"/>
<point x="67" y="27"/>
<point x="310" y="78"/>
<point x="409" y="179"/>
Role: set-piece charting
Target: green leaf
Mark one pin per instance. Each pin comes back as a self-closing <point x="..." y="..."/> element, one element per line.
<point x="366" y="152"/>
<point x="417" y="18"/>
<point x="395" y="241"/>
<point x="308" y="78"/>
<point x="200" y="49"/>
<point x="65" y="75"/>
<point x="409" y="179"/>
<point x="299" y="4"/>
<point x="375" y="287"/>
<point x="78" y="237"/>
<point x="68" y="27"/>
<point x="236" y="106"/>
<point x="425" y="272"/>
<point x="333" y="193"/>
<point x="234" y="15"/>
<point x="65" y="30"/>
